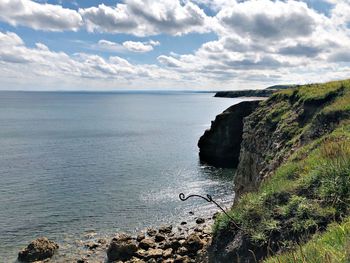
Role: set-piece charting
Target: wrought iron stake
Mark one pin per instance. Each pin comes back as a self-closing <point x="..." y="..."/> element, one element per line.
<point x="209" y="199"/>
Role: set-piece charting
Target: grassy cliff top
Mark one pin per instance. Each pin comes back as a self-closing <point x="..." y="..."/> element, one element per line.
<point x="311" y="189"/>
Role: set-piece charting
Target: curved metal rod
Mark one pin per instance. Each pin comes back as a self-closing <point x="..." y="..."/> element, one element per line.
<point x="209" y="199"/>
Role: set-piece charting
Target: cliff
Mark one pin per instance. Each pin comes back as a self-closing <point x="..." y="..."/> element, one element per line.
<point x="293" y="176"/>
<point x="245" y="93"/>
<point x="252" y="93"/>
<point x="220" y="145"/>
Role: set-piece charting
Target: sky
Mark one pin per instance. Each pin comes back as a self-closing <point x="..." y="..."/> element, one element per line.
<point x="172" y="44"/>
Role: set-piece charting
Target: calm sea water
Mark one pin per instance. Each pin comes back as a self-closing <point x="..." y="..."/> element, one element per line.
<point x="71" y="163"/>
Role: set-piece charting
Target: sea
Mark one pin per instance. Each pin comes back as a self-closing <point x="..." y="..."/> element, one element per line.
<point x="73" y="163"/>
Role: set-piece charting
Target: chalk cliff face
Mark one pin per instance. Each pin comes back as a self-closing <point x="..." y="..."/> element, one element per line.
<point x="220" y="145"/>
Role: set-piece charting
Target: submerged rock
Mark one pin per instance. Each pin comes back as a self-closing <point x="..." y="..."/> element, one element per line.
<point x="165" y="229"/>
<point x="39" y="249"/>
<point x="200" y="220"/>
<point x="220" y="145"/>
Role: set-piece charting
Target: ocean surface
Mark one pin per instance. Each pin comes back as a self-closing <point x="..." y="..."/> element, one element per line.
<point x="75" y="163"/>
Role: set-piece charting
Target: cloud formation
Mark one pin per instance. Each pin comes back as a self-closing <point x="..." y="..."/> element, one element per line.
<point x="45" y="17"/>
<point x="140" y="47"/>
<point x="256" y="41"/>
<point x="265" y="19"/>
<point x="147" y="17"/>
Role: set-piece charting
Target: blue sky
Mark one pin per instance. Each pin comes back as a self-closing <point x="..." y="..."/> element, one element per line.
<point x="171" y="44"/>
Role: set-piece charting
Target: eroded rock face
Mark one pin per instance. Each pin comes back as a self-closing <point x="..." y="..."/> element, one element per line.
<point x="220" y="145"/>
<point x="274" y="131"/>
<point x="39" y="249"/>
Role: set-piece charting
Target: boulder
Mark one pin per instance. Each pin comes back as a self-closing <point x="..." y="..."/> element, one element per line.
<point x="155" y="253"/>
<point x="200" y="220"/>
<point x="39" y="249"/>
<point x="140" y="237"/>
<point x="122" y="247"/>
<point x="165" y="229"/>
<point x="193" y="243"/>
<point x="151" y="232"/>
<point x="182" y="251"/>
<point x="167" y="253"/>
<point x="159" y="238"/>
<point x="147" y="243"/>
<point x="92" y="245"/>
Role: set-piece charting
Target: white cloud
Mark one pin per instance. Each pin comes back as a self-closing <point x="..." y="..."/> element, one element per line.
<point x="39" y="16"/>
<point x="146" y="17"/>
<point x="265" y="19"/>
<point x="140" y="47"/>
<point x="131" y="46"/>
<point x="107" y="45"/>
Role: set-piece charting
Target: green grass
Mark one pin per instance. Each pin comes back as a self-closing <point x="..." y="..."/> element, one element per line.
<point x="302" y="194"/>
<point x="310" y="190"/>
<point x="333" y="246"/>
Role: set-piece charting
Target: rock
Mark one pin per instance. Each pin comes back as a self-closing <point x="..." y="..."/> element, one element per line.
<point x="182" y="251"/>
<point x="102" y="241"/>
<point x="167" y="253"/>
<point x="174" y="244"/>
<point x="198" y="230"/>
<point x="182" y="241"/>
<point x="39" y="249"/>
<point x="183" y="223"/>
<point x="155" y="253"/>
<point x="162" y="244"/>
<point x="207" y="230"/>
<point x="159" y="238"/>
<point x="92" y="245"/>
<point x="141" y="253"/>
<point x="165" y="229"/>
<point x="140" y="237"/>
<point x="151" y="232"/>
<point x="191" y="213"/>
<point x="122" y="237"/>
<point x="135" y="260"/>
<point x="122" y="247"/>
<point x="200" y="220"/>
<point x="147" y="243"/>
<point x="193" y="243"/>
<point x="216" y="215"/>
<point x="182" y="259"/>
<point x="82" y="260"/>
<point x="220" y="145"/>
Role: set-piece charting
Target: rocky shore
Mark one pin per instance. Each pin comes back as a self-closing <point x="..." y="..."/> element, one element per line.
<point x="185" y="242"/>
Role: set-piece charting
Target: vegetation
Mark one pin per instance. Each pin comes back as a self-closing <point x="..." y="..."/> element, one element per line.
<point x="309" y="191"/>
<point x="331" y="247"/>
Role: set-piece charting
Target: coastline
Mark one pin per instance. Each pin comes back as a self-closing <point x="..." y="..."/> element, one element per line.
<point x="166" y="242"/>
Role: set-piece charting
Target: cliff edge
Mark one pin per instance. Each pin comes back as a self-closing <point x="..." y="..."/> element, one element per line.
<point x="220" y="145"/>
